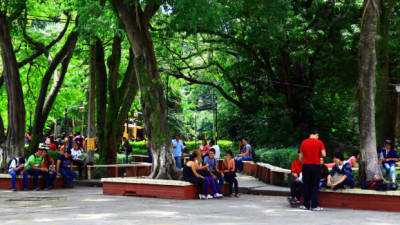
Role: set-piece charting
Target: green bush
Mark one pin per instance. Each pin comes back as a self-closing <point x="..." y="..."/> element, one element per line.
<point x="278" y="157"/>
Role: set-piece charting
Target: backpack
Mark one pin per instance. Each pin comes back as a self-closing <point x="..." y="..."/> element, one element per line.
<point x="9" y="163"/>
<point x="379" y="185"/>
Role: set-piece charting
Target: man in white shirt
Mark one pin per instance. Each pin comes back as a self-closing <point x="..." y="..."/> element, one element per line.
<point x="216" y="148"/>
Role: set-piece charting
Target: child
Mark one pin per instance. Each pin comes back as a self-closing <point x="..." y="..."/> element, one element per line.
<point x="297" y="183"/>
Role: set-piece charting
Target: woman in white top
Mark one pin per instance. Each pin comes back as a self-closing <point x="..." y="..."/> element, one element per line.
<point x="76" y="153"/>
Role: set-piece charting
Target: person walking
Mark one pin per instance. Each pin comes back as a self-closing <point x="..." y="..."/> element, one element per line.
<point x="311" y="150"/>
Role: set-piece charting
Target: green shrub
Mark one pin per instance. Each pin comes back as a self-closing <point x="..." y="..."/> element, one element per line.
<point x="278" y="157"/>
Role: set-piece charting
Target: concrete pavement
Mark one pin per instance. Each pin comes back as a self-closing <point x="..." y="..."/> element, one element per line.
<point x="85" y="205"/>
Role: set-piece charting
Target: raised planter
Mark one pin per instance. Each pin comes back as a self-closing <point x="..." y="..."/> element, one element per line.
<point x="171" y="189"/>
<point x="266" y="172"/>
<point x="360" y="199"/>
<point x="5" y="182"/>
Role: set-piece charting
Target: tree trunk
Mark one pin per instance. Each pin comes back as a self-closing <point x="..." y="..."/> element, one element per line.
<point x="91" y="106"/>
<point x="136" y="23"/>
<point x="385" y="109"/>
<point x="369" y="168"/>
<point x="13" y="145"/>
<point x="45" y="102"/>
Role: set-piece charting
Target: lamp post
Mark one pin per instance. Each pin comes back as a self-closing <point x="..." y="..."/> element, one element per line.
<point x="65" y="121"/>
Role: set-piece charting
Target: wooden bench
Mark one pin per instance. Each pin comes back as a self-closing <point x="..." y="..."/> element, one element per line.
<point x="5" y="182"/>
<point x="360" y="199"/>
<point x="171" y="189"/>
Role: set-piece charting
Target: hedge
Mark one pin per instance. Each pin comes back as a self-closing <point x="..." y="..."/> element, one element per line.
<point x="278" y="157"/>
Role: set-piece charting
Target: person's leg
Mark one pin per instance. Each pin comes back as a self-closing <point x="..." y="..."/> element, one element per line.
<point x="239" y="164"/>
<point x="207" y="181"/>
<point x="306" y="185"/>
<point x="13" y="178"/>
<point x="178" y="162"/>
<point x="236" y="185"/>
<point x="71" y="176"/>
<point x="299" y="189"/>
<point x="35" y="174"/>
<point x="212" y="184"/>
<point x="52" y="178"/>
<point x="64" y="174"/>
<point x="387" y="167"/>
<point x="316" y="176"/>
<point x="393" y="172"/>
<point x="293" y="185"/>
<point x="46" y="178"/>
<point x="25" y="180"/>
<point x="220" y="183"/>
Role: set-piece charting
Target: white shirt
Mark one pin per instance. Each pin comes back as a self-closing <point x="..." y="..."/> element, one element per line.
<point x="14" y="164"/>
<point x="217" y="151"/>
<point x="76" y="153"/>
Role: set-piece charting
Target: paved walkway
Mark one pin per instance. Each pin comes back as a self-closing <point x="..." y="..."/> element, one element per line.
<point x="85" y="205"/>
<point x="251" y="185"/>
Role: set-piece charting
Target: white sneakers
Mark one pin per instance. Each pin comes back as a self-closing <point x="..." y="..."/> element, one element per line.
<point x="209" y="197"/>
<point x="202" y="197"/>
<point x="217" y="195"/>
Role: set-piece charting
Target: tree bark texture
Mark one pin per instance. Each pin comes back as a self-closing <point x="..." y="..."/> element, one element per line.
<point x="136" y="24"/>
<point x="112" y="112"/>
<point x="45" y="101"/>
<point x="369" y="168"/>
<point x="14" y="143"/>
<point x="92" y="100"/>
<point x="386" y="97"/>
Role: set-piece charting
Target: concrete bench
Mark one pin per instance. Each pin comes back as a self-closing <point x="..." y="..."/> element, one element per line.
<point x="267" y="173"/>
<point x="360" y="199"/>
<point x="5" y="182"/>
<point x="171" y="189"/>
<point x="131" y="170"/>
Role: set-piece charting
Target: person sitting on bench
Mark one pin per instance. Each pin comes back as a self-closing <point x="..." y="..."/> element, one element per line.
<point x="17" y="167"/>
<point x="216" y="174"/>
<point x="191" y="175"/>
<point x="64" y="166"/>
<point x="35" y="168"/>
<point x="389" y="157"/>
<point x="297" y="183"/>
<point x="49" y="163"/>
<point x="341" y="175"/>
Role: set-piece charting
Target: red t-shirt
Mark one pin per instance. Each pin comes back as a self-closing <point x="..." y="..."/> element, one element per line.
<point x="311" y="149"/>
<point x="296" y="167"/>
<point x="53" y="147"/>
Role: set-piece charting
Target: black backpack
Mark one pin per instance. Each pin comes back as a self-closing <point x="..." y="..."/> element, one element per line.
<point x="379" y="185"/>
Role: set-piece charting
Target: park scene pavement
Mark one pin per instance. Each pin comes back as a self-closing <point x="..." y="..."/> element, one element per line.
<point x="87" y="205"/>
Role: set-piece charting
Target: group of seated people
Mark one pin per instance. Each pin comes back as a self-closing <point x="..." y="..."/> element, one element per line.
<point x="340" y="176"/>
<point x="42" y="164"/>
<point x="209" y="175"/>
<point x="202" y="168"/>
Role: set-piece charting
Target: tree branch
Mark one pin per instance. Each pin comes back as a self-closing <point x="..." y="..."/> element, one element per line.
<point x="113" y="63"/>
<point x="40" y="47"/>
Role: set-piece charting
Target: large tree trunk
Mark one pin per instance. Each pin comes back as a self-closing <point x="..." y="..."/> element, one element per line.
<point x="369" y="168"/>
<point x="45" y="102"/>
<point x="91" y="105"/>
<point x="14" y="143"/>
<point x="115" y="109"/>
<point x="136" y="23"/>
<point x="385" y="108"/>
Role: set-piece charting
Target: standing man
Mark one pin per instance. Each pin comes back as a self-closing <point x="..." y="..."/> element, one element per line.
<point x="311" y="150"/>
<point x="216" y="148"/>
<point x="177" y="145"/>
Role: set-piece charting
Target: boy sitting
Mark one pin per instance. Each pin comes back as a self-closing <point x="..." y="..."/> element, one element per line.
<point x="297" y="183"/>
<point x="216" y="174"/>
<point x="17" y="167"/>
<point x="341" y="175"/>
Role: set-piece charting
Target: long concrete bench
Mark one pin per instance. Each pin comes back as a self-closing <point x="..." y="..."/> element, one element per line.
<point x="5" y="182"/>
<point x="131" y="170"/>
<point x="171" y="189"/>
<point x="360" y="199"/>
<point x="266" y="172"/>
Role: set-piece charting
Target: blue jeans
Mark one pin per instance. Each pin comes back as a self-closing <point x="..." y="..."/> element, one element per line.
<point x="219" y="181"/>
<point x="68" y="175"/>
<point x="35" y="174"/>
<point x="390" y="168"/>
<point x="52" y="178"/>
<point x="178" y="162"/>
<point x="150" y="156"/>
<point x="14" y="176"/>
<point x="239" y="163"/>
<point x="296" y="189"/>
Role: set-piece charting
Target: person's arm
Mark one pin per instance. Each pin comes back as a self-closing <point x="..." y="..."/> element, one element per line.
<point x="58" y="166"/>
<point x="329" y="183"/>
<point x="323" y="153"/>
<point x="340" y="180"/>
<point x="301" y="156"/>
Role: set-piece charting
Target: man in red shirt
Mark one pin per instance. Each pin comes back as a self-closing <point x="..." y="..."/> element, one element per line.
<point x="311" y="150"/>
<point x="297" y="183"/>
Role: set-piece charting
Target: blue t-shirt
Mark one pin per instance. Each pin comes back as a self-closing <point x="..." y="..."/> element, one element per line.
<point x="244" y="149"/>
<point x="391" y="154"/>
<point x="212" y="163"/>
<point x="178" y="147"/>
<point x="65" y="162"/>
